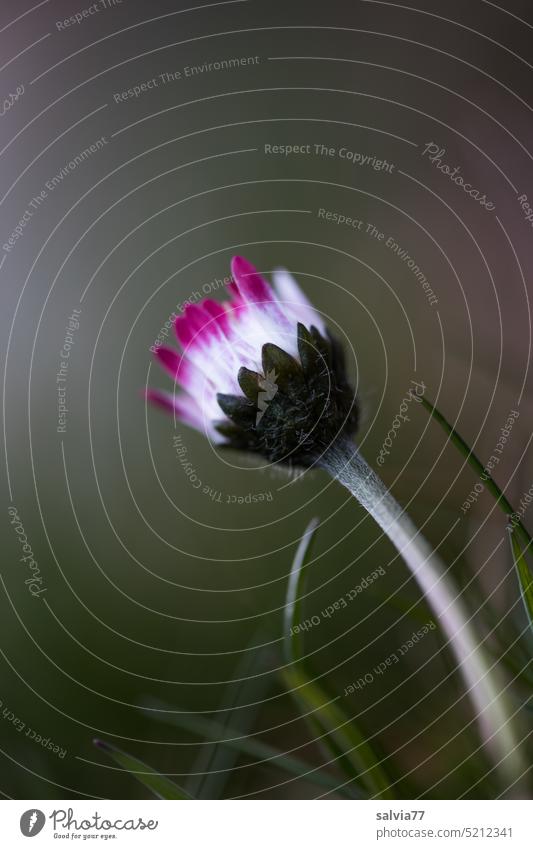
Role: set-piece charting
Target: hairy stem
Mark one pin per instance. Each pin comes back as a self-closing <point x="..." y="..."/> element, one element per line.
<point x="344" y="462"/>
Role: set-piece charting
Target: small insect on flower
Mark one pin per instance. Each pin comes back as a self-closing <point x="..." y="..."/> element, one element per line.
<point x="260" y="372"/>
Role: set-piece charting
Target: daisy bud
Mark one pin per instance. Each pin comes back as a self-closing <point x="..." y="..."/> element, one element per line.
<point x="260" y="372"/>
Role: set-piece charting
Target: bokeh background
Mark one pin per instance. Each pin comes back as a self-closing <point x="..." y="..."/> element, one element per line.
<point x="163" y="599"/>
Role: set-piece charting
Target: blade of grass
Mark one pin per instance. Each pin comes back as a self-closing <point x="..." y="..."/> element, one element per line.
<point x="292" y="612"/>
<point x="266" y="754"/>
<point x="216" y="762"/>
<point x="415" y="610"/>
<point x="346" y="742"/>
<point x="525" y="578"/>
<point x="476" y="464"/>
<point x="514" y="522"/>
<point x="340" y="734"/>
<point x="158" y="784"/>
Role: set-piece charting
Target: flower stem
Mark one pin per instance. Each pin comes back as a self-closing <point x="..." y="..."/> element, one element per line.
<point x="344" y="462"/>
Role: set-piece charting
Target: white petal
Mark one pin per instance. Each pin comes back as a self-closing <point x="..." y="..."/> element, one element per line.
<point x="295" y="301"/>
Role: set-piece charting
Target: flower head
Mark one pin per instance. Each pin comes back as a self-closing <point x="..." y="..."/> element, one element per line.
<point x="260" y="372"/>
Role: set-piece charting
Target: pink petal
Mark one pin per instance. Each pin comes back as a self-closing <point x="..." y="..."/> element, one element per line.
<point x="252" y="287"/>
<point x="180" y="368"/>
<point x="183" y="331"/>
<point x="169" y="359"/>
<point x="234" y="289"/>
<point x="195" y="327"/>
<point x="183" y="406"/>
<point x="217" y="313"/>
<point x="163" y="400"/>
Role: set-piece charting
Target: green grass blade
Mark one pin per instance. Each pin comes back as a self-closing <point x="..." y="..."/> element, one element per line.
<point x="525" y="578"/>
<point x="515" y="524"/>
<point x="266" y="754"/>
<point x="476" y="464"/>
<point x="467" y="452"/>
<point x="292" y="614"/>
<point x="416" y="610"/>
<point x="341" y="736"/>
<point x="212" y="767"/>
<point x="158" y="784"/>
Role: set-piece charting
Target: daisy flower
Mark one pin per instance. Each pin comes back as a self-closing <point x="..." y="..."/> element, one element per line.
<point x="262" y="373"/>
